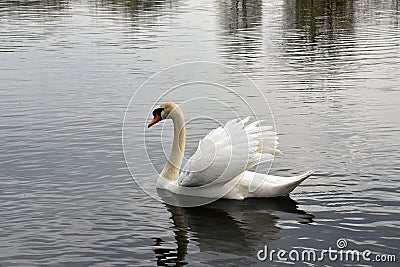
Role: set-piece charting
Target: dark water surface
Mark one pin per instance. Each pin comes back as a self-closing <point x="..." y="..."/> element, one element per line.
<point x="330" y="70"/>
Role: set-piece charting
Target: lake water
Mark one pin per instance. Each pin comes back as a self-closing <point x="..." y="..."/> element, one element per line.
<point x="330" y="71"/>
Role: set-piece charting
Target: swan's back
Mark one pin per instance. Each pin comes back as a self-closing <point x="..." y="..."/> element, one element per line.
<point x="228" y="151"/>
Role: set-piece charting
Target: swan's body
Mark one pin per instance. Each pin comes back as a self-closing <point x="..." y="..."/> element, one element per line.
<point x="220" y="166"/>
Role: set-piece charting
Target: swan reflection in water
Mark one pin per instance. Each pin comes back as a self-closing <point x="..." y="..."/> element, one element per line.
<point x="236" y="229"/>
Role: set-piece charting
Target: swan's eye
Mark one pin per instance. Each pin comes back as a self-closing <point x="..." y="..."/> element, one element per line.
<point x="157" y="111"/>
<point x="156" y="117"/>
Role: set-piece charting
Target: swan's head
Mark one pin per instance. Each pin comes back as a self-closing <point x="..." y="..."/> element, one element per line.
<point x="164" y="111"/>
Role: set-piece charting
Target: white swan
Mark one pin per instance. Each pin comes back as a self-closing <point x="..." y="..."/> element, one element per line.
<point x="220" y="166"/>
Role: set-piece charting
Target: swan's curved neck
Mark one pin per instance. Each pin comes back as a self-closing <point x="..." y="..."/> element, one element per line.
<point x="174" y="162"/>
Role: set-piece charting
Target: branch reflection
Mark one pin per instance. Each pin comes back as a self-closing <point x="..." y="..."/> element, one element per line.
<point x="241" y="31"/>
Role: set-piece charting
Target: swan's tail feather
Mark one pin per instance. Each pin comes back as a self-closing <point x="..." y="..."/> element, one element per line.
<point x="297" y="180"/>
<point x="259" y="186"/>
<point x="305" y="175"/>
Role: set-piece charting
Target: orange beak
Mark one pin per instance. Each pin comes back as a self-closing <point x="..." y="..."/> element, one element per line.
<point x="156" y="119"/>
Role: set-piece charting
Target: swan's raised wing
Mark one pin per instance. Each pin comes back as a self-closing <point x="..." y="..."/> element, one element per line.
<point x="228" y="151"/>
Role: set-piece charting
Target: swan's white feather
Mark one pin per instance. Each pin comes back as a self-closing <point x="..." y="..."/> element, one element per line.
<point x="238" y="187"/>
<point x="228" y="151"/>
